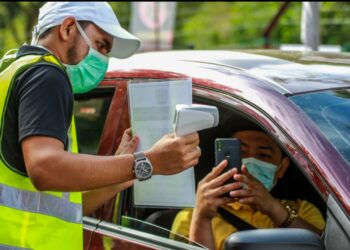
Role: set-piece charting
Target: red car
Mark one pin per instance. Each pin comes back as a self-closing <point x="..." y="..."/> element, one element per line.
<point x="302" y="100"/>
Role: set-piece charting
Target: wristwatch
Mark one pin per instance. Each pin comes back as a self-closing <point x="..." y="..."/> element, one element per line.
<point x="142" y="167"/>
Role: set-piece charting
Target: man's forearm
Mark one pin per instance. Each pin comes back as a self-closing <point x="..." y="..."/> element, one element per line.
<point x="50" y="167"/>
<point x="94" y="199"/>
<point x="279" y="213"/>
<point x="79" y="172"/>
<point x="201" y="232"/>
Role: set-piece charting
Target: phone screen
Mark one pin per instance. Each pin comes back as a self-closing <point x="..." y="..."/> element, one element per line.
<point x="230" y="149"/>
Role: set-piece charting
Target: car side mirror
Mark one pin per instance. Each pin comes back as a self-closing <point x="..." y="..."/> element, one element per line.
<point x="276" y="238"/>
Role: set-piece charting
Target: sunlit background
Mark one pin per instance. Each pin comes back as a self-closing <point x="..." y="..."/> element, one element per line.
<point x="202" y="25"/>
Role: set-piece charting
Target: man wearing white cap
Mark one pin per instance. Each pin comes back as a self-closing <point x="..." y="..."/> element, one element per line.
<point x="41" y="175"/>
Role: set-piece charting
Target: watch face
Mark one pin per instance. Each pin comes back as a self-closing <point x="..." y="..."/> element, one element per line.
<point x="143" y="170"/>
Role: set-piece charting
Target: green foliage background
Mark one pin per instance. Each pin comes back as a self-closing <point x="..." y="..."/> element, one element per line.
<point x="203" y="25"/>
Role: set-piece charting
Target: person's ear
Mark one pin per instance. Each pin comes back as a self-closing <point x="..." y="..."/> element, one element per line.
<point x="68" y="29"/>
<point x="283" y="168"/>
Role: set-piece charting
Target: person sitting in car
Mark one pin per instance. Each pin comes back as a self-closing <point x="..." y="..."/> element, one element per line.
<point x="249" y="196"/>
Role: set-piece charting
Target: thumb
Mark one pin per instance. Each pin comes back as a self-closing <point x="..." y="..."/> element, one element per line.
<point x="132" y="145"/>
<point x="170" y="135"/>
<point x="246" y="172"/>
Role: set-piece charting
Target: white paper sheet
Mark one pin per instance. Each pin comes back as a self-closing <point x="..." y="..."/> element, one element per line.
<point x="152" y="108"/>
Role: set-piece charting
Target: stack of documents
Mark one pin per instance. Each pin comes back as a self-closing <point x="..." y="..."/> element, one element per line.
<point x="152" y="109"/>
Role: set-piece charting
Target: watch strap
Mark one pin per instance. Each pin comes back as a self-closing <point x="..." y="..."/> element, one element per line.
<point x="139" y="156"/>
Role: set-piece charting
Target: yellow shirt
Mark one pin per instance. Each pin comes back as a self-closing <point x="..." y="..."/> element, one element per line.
<point x="222" y="229"/>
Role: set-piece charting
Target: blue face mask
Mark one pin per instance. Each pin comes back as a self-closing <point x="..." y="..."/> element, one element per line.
<point x="87" y="74"/>
<point x="261" y="170"/>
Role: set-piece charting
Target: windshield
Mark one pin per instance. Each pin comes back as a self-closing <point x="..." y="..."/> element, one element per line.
<point x="330" y="111"/>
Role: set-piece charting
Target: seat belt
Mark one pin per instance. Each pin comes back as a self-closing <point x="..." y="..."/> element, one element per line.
<point x="234" y="220"/>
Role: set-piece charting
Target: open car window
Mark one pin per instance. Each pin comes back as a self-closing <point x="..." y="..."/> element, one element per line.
<point x="133" y="235"/>
<point x="90" y="112"/>
<point x="148" y="227"/>
<point x="287" y="187"/>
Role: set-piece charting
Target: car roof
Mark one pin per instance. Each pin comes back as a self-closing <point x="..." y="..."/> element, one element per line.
<point x="287" y="72"/>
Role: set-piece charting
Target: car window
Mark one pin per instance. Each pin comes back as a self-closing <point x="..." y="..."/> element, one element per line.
<point x="330" y="111"/>
<point x="286" y="188"/>
<point x="90" y="115"/>
<point x="133" y="234"/>
<point x="147" y="227"/>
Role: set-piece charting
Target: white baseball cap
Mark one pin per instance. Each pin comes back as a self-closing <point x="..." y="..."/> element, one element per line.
<point x="100" y="13"/>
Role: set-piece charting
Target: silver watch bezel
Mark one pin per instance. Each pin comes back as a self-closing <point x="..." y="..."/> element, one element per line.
<point x="141" y="159"/>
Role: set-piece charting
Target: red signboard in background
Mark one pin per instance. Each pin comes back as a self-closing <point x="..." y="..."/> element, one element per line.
<point x="153" y="23"/>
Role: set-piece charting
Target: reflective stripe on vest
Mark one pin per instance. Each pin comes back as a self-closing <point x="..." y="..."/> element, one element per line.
<point x="40" y="202"/>
<point x="30" y="219"/>
<point x="4" y="247"/>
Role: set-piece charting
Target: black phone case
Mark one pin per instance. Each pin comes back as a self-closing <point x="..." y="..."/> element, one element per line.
<point x="230" y="149"/>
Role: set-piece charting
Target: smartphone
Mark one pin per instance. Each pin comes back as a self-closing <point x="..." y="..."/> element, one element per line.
<point x="230" y="149"/>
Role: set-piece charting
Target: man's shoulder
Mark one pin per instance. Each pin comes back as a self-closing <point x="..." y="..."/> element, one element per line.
<point x="299" y="204"/>
<point x="30" y="50"/>
<point x="185" y="211"/>
<point x="183" y="215"/>
<point x="43" y="77"/>
<point x="40" y="67"/>
<point x="43" y="72"/>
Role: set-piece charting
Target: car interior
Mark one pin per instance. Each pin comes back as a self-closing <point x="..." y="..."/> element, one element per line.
<point x="90" y="111"/>
<point x="294" y="184"/>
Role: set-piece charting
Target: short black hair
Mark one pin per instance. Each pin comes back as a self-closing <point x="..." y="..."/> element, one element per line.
<point x="235" y="124"/>
<point x="83" y="24"/>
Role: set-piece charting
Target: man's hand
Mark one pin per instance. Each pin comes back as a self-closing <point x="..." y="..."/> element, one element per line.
<point x="171" y="155"/>
<point x="208" y="198"/>
<point x="211" y="189"/>
<point x="255" y="194"/>
<point x="95" y="198"/>
<point x="258" y="197"/>
<point x="128" y="144"/>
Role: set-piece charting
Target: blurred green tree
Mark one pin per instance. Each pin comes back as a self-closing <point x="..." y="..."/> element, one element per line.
<point x="16" y="23"/>
<point x="203" y="25"/>
<point x="238" y="24"/>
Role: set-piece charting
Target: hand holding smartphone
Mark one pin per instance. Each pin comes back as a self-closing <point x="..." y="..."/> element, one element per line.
<point x="230" y="149"/>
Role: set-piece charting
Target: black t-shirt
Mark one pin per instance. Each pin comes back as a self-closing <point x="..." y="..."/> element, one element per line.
<point x="40" y="103"/>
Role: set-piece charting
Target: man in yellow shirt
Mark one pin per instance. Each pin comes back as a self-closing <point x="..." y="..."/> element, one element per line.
<point x="250" y="198"/>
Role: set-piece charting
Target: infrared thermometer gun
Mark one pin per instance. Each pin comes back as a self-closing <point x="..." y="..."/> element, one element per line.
<point x="191" y="118"/>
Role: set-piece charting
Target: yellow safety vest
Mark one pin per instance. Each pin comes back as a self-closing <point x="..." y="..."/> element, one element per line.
<point x="30" y="219"/>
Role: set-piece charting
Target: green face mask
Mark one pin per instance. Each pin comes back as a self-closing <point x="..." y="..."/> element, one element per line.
<point x="87" y="74"/>
<point x="263" y="171"/>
